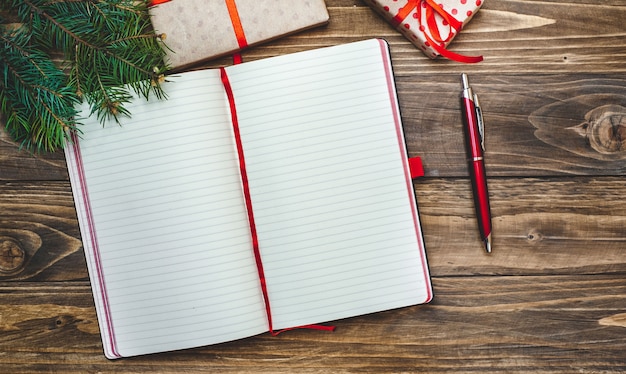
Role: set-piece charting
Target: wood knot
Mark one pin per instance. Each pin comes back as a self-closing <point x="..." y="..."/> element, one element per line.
<point x="12" y="256"/>
<point x="60" y="322"/>
<point x="604" y="129"/>
<point x="534" y="236"/>
<point x="592" y="124"/>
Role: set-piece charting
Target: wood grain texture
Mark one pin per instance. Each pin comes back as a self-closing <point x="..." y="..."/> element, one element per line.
<point x="550" y="299"/>
<point x="514" y="36"/>
<point x="541" y="226"/>
<point x="474" y="324"/>
<point x="567" y="124"/>
<point x="39" y="221"/>
<point x="18" y="164"/>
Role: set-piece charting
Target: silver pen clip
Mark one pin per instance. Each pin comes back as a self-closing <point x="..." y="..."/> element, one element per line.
<point x="481" y="123"/>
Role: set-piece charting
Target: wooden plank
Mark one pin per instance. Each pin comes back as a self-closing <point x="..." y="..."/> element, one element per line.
<point x="541" y="226"/>
<point x="19" y="164"/>
<point x="475" y="324"/>
<point x="557" y="303"/>
<point x="544" y="73"/>
<point x="39" y="235"/>
<point x="535" y="126"/>
<point x="514" y="36"/>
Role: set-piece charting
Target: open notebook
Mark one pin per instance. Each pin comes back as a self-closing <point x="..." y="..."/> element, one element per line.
<point x="163" y="206"/>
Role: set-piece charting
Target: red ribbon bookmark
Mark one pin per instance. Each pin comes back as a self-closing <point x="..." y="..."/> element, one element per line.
<point x="248" y="199"/>
<point x="246" y="191"/>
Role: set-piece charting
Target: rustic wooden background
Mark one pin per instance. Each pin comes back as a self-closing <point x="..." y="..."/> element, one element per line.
<point x="552" y="296"/>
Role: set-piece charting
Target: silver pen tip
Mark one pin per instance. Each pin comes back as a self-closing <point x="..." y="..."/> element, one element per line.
<point x="465" y="81"/>
<point x="488" y="244"/>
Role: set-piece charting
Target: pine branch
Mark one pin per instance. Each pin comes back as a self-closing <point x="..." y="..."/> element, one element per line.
<point x="111" y="54"/>
<point x="34" y="96"/>
<point x="111" y="36"/>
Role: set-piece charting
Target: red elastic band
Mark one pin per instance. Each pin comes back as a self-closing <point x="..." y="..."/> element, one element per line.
<point x="415" y="167"/>
<point x="237" y="59"/>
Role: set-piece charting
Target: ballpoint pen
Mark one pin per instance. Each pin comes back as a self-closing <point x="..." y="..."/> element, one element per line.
<point x="474" y="132"/>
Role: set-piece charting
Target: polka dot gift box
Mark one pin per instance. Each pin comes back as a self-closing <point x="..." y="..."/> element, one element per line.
<point x="430" y="25"/>
<point x="199" y="30"/>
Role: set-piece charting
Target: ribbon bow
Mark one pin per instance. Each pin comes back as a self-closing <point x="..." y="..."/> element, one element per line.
<point x="437" y="41"/>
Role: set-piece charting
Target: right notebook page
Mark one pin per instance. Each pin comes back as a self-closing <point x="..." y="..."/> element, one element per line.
<point x="334" y="205"/>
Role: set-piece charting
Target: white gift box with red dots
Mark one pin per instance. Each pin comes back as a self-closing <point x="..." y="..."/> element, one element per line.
<point x="415" y="26"/>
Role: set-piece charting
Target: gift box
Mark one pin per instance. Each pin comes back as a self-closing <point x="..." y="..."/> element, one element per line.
<point x="430" y="25"/>
<point x="198" y="30"/>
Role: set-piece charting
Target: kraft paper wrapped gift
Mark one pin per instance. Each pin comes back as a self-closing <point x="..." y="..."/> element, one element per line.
<point x="198" y="30"/>
<point x="430" y="25"/>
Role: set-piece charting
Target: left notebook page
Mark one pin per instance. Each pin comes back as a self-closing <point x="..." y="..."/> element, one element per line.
<point x="164" y="224"/>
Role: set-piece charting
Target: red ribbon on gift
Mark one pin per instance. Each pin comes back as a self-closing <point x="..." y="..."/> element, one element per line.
<point x="234" y="19"/>
<point x="432" y="9"/>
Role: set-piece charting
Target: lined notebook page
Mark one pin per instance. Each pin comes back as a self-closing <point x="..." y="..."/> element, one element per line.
<point x="172" y="240"/>
<point x="335" y="212"/>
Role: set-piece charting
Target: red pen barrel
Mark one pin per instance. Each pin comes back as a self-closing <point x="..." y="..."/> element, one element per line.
<point x="476" y="165"/>
<point x="473" y="138"/>
<point x="481" y="198"/>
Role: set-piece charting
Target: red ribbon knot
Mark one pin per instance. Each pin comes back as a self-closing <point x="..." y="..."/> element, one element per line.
<point x="437" y="41"/>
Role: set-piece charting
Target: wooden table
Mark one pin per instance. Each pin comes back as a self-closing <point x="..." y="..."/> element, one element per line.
<point x="551" y="297"/>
